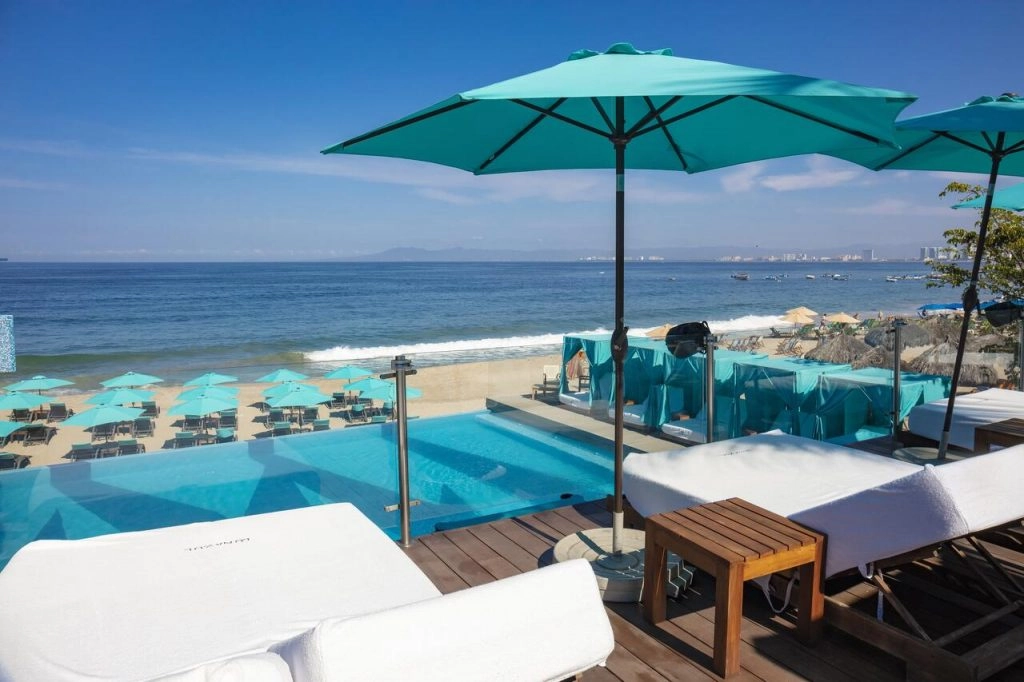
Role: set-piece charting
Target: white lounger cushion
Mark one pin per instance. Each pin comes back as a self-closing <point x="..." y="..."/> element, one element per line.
<point x="547" y="624"/>
<point x="137" y="605"/>
<point x="783" y="473"/>
<point x="631" y="414"/>
<point x="988" y="489"/>
<point x="906" y="514"/>
<point x="969" y="412"/>
<point x="579" y="400"/>
<point x="265" y="667"/>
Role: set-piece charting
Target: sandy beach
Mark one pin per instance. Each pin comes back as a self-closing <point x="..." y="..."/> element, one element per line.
<point x="449" y="389"/>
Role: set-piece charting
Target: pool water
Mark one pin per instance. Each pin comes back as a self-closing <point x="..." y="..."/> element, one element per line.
<point x="462" y="468"/>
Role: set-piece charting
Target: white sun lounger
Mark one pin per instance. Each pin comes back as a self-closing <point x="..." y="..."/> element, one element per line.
<point x="969" y="412"/>
<point x="207" y="601"/>
<point x="632" y="415"/>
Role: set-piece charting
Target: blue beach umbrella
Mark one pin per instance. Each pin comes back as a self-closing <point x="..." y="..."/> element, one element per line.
<point x="131" y="380"/>
<point x="348" y="372"/>
<point x="7" y="428"/>
<point x="223" y="392"/>
<point x="22" y="401"/>
<point x="203" y="406"/>
<point x="1009" y="199"/>
<point x="286" y="387"/>
<point x="210" y="379"/>
<point x="299" y="396"/>
<point x="983" y="136"/>
<point x="120" y="396"/>
<point x="628" y="108"/>
<point x="367" y="384"/>
<point x="389" y="392"/>
<point x="38" y="383"/>
<point x="104" y="414"/>
<point x="279" y="375"/>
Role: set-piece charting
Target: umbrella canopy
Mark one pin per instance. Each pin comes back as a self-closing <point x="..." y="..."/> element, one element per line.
<point x="286" y="387"/>
<point x="802" y="310"/>
<point x="299" y="396"/>
<point x="7" y="428"/>
<point x="660" y="332"/>
<point x="202" y="406"/>
<point x="22" y="401"/>
<point x="841" y="318"/>
<point x="222" y="392"/>
<point x="279" y="375"/>
<point x="984" y="136"/>
<point x="38" y="383"/>
<point x="348" y="372"/>
<point x="389" y="392"/>
<point x="104" y="414"/>
<point x="1009" y="199"/>
<point x="120" y="396"/>
<point x="368" y="383"/>
<point x="211" y="379"/>
<point x="796" y="317"/>
<point x="131" y="380"/>
<point x="840" y="349"/>
<point x="638" y="109"/>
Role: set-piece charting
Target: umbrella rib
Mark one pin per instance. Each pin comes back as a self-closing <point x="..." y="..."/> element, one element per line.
<point x="906" y="152"/>
<point x="967" y="143"/>
<point x="396" y="126"/>
<point x="816" y="119"/>
<point x="560" y="117"/>
<point x="604" y="114"/>
<point x="668" y="136"/>
<point x="518" y="136"/>
<point x="678" y="117"/>
<point x="653" y="114"/>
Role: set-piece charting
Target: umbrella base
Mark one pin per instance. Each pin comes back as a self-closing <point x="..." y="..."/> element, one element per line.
<point x="619" y="578"/>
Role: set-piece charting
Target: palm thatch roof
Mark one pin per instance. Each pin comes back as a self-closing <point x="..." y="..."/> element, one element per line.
<point x="911" y="335"/>
<point x="841" y="348"/>
<point x="877" y="357"/>
<point x="940" y="360"/>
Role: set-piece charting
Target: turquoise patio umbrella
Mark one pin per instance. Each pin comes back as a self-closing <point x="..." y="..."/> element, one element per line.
<point x="200" y="407"/>
<point x="38" y="383"/>
<point x="279" y="375"/>
<point x="983" y="136"/>
<point x="629" y="108"/>
<point x="7" y="428"/>
<point x="131" y="380"/>
<point x="104" y="414"/>
<point x="22" y="401"/>
<point x="224" y="392"/>
<point x="389" y="392"/>
<point x="299" y="396"/>
<point x="367" y="384"/>
<point x="1009" y="199"/>
<point x="348" y="372"/>
<point x="286" y="387"/>
<point x="120" y="396"/>
<point x="211" y="379"/>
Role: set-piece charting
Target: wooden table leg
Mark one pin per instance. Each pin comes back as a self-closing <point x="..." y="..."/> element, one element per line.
<point x="728" y="615"/>
<point x="812" y="601"/>
<point x="655" y="570"/>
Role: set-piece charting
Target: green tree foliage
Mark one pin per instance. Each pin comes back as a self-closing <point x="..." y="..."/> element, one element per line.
<point x="1002" y="268"/>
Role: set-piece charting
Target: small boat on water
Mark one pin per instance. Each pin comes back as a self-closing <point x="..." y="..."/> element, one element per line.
<point x="740" y="276"/>
<point x="773" y="278"/>
<point x="811" y="277"/>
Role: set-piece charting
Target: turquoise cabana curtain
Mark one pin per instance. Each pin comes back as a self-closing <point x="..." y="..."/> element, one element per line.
<point x="598" y="349"/>
<point x="849" y="401"/>
<point x="779" y="393"/>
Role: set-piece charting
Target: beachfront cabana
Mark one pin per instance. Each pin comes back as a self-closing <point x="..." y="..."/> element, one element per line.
<point x="642" y="372"/>
<point x="598" y="349"/>
<point x="777" y="393"/>
<point x="856" y="405"/>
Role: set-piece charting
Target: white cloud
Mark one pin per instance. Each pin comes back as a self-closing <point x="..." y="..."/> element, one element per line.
<point x="820" y="172"/>
<point x="898" y="207"/>
<point x="744" y="178"/>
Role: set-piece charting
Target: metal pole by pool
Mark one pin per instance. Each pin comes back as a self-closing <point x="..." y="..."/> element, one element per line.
<point x="402" y="367"/>
<point x="709" y="386"/>
<point x="1020" y="352"/>
<point x="897" y="340"/>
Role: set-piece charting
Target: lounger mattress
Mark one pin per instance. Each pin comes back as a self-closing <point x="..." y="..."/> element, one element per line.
<point x="969" y="412"/>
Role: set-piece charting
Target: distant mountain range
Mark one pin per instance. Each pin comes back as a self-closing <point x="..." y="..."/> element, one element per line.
<point x="704" y="253"/>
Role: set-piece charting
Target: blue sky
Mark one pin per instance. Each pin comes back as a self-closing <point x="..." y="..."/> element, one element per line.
<point x="178" y="130"/>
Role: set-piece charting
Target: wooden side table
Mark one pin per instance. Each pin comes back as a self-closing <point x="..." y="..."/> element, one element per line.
<point x="734" y="541"/>
<point x="1005" y="433"/>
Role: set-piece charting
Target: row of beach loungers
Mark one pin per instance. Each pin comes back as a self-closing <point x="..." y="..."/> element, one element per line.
<point x="747" y="343"/>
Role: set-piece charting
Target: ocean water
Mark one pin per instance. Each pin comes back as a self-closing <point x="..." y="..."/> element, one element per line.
<point x="91" y="321"/>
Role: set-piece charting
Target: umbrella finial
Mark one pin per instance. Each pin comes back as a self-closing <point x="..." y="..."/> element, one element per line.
<point x="619" y="48"/>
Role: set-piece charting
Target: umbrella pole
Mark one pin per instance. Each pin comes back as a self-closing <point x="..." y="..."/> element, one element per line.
<point x="970" y="297"/>
<point x="620" y="344"/>
<point x="897" y="339"/>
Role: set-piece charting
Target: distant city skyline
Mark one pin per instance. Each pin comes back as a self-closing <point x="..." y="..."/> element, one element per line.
<point x="172" y="131"/>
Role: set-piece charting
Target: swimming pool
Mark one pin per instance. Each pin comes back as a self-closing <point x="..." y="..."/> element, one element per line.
<point x="462" y="468"/>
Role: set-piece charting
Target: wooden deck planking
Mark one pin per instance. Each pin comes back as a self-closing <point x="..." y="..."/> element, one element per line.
<point x="678" y="649"/>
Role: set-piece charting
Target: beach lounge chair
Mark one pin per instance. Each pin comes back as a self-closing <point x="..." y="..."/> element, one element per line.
<point x="130" y="447"/>
<point x="58" y="412"/>
<point x="109" y="449"/>
<point x="550" y="381"/>
<point x="357" y="413"/>
<point x="185" y="439"/>
<point x="321" y="424"/>
<point x="82" y="451"/>
<point x="378" y="419"/>
<point x="275" y="414"/>
<point x="38" y="434"/>
<point x="286" y="582"/>
<point x="229" y="419"/>
<point x="21" y="415"/>
<point x="150" y="408"/>
<point x="142" y="426"/>
<point x="224" y="435"/>
<point x="281" y="428"/>
<point x="877" y="513"/>
<point x="192" y="422"/>
<point x="10" y="460"/>
<point x="339" y="399"/>
<point x="969" y="412"/>
<point x="103" y="431"/>
<point x="310" y="414"/>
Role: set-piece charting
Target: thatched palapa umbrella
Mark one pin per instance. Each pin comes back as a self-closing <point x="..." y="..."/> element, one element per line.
<point x="941" y="358"/>
<point x="841" y="349"/>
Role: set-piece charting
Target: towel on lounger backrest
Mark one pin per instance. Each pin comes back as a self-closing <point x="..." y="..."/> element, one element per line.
<point x="988" y="489"/>
<point x="908" y="513"/>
